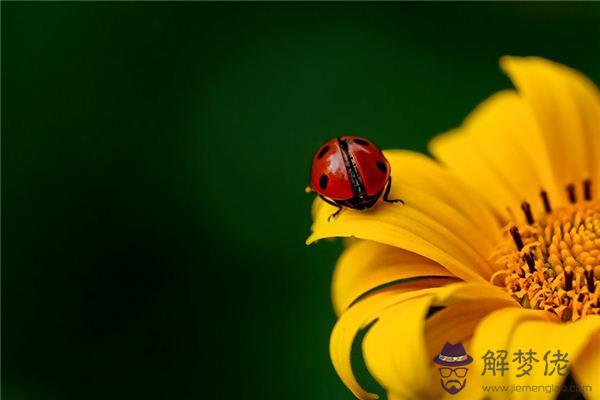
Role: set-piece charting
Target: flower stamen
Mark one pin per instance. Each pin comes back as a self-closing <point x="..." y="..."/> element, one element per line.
<point x="589" y="278"/>
<point x="587" y="189"/>
<point x="568" y="278"/>
<point x="552" y="262"/>
<point x="528" y="258"/>
<point x="514" y="232"/>
<point x="571" y="193"/>
<point x="527" y="211"/>
<point x="546" y="201"/>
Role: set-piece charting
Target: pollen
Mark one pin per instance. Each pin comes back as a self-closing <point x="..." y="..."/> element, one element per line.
<point x="551" y="261"/>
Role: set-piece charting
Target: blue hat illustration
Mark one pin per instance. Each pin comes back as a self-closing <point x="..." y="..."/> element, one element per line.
<point x="453" y="355"/>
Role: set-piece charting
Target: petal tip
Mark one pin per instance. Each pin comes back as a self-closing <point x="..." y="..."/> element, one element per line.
<point x="508" y="61"/>
<point x="505" y="61"/>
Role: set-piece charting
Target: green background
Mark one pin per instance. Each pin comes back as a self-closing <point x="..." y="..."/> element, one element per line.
<point x="154" y="159"/>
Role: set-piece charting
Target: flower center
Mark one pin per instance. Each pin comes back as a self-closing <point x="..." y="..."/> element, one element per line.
<point x="552" y="262"/>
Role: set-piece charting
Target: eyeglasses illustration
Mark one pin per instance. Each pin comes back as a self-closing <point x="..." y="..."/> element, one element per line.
<point x="459" y="372"/>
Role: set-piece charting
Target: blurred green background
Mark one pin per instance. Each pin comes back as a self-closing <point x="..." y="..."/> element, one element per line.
<point x="154" y="159"/>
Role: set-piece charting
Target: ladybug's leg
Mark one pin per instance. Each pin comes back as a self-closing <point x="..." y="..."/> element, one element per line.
<point x="326" y="200"/>
<point x="338" y="211"/>
<point x="335" y="214"/>
<point x="387" y="193"/>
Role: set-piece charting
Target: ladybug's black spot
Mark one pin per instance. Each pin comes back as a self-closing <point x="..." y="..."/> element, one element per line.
<point x="361" y="142"/>
<point x="323" y="151"/>
<point x="381" y="166"/>
<point x="323" y="181"/>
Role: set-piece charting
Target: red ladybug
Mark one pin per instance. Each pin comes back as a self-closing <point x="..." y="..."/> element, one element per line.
<point x="350" y="171"/>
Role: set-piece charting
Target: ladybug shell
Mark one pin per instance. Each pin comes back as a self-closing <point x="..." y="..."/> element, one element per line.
<point x="330" y="176"/>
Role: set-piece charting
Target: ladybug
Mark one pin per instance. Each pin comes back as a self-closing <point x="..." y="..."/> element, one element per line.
<point x="350" y="171"/>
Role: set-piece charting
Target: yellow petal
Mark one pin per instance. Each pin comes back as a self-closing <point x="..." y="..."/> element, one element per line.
<point x="492" y="154"/>
<point x="358" y="317"/>
<point x="426" y="225"/>
<point x="546" y="338"/>
<point x="457" y="322"/>
<point x="367" y="265"/>
<point x="395" y="352"/>
<point x="406" y="234"/>
<point x="518" y="329"/>
<point x="395" y="347"/>
<point x="494" y="333"/>
<point x="444" y="396"/>
<point x="504" y="131"/>
<point x="420" y="172"/>
<point x="391" y="349"/>
<point x="567" y="109"/>
<point x="586" y="368"/>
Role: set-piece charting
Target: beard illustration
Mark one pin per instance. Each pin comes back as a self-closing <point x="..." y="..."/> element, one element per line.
<point x="452" y="385"/>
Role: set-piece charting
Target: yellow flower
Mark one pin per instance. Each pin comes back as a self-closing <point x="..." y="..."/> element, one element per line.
<point x="500" y="237"/>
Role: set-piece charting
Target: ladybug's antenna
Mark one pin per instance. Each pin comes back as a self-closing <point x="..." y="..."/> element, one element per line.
<point x="308" y="189"/>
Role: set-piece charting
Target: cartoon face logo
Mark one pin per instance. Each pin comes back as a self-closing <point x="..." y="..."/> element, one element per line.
<point x="453" y="373"/>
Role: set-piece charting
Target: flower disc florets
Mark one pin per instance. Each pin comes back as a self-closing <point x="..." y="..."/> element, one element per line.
<point x="553" y="261"/>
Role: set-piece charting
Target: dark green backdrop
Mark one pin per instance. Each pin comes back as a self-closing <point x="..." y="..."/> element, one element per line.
<point x="154" y="158"/>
